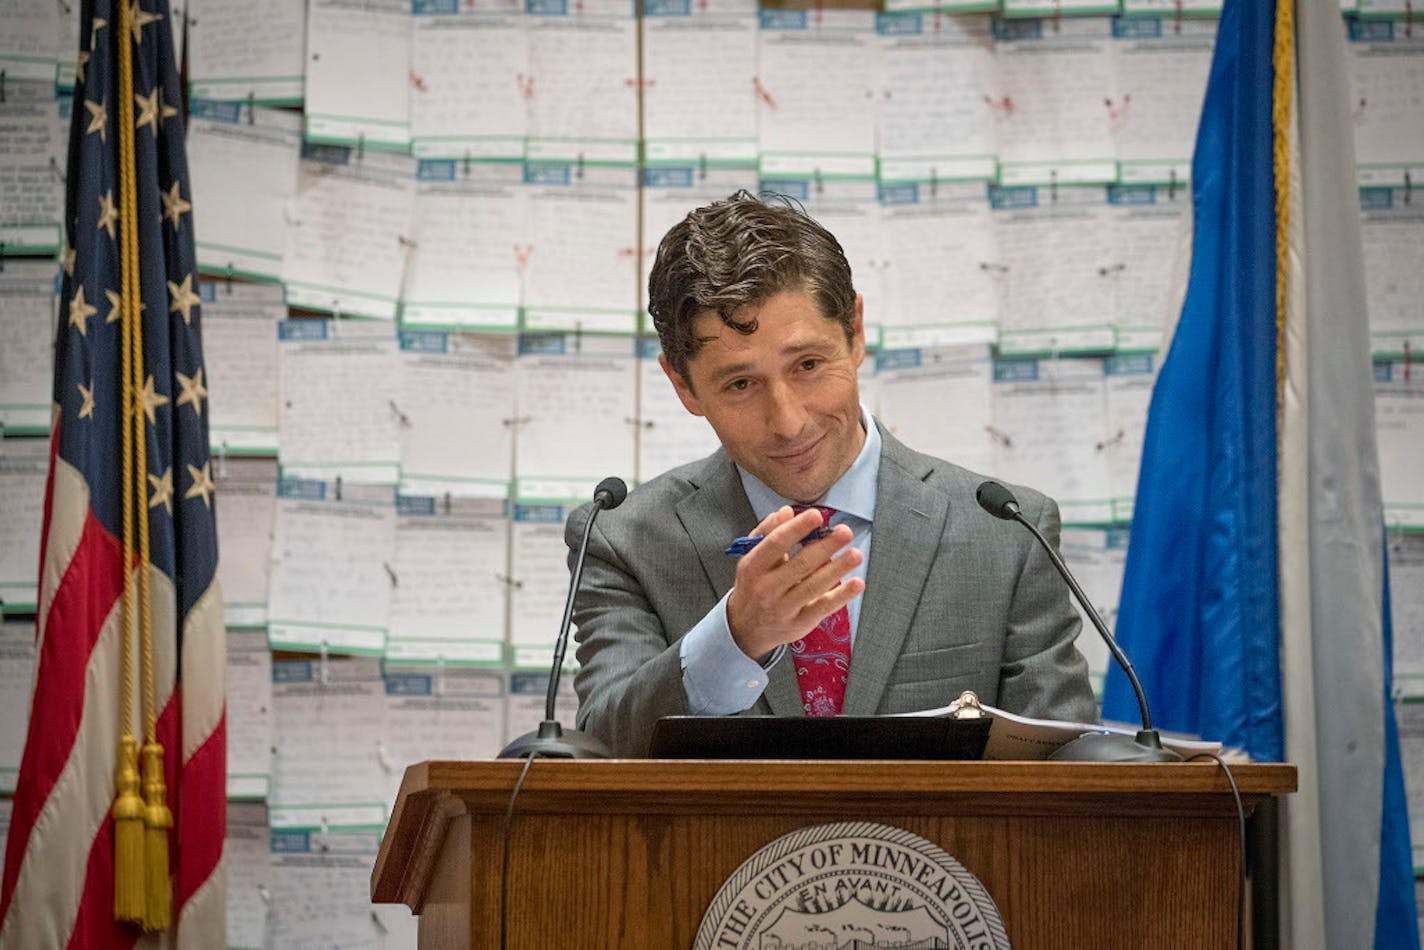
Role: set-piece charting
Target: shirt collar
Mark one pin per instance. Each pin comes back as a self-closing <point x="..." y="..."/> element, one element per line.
<point x="853" y="493"/>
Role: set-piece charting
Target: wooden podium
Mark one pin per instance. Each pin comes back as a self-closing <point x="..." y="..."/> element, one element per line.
<point x="630" y="853"/>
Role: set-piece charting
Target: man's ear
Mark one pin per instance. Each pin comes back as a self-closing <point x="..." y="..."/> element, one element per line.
<point x="681" y="386"/>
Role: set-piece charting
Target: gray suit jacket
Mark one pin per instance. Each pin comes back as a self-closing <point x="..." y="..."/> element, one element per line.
<point x="954" y="600"/>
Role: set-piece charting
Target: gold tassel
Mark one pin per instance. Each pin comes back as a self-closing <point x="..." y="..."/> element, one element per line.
<point x="158" y="819"/>
<point x="128" y="814"/>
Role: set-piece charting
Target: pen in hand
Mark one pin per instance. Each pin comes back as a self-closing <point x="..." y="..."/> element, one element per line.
<point x="741" y="546"/>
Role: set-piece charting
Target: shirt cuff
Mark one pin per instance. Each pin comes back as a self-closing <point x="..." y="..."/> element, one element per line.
<point x="718" y="678"/>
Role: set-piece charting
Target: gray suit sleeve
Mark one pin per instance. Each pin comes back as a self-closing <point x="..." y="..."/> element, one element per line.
<point x="630" y="671"/>
<point x="1043" y="674"/>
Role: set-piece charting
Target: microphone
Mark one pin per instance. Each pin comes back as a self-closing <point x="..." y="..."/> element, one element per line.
<point x="1146" y="746"/>
<point x="610" y="493"/>
<point x="551" y="740"/>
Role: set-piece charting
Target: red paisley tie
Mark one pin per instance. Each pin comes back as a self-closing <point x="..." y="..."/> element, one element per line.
<point x="822" y="657"/>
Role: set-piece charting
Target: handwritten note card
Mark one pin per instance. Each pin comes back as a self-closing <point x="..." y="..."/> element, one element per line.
<point x="943" y="268"/>
<point x="938" y="400"/>
<point x="1409" y="716"/>
<point x="246" y="516"/>
<point x="244" y="162"/>
<point x="582" y="245"/>
<point x="812" y="64"/>
<point x="247" y="855"/>
<point x="33" y="139"/>
<point x="358" y="72"/>
<point x="1399" y="426"/>
<point x="1049" y="432"/>
<point x="29" y="36"/>
<point x="471" y="246"/>
<point x="1060" y="258"/>
<point x="1149" y="229"/>
<point x="1056" y="8"/>
<point x="246" y="50"/>
<point x="17" y="670"/>
<point x="1176" y="8"/>
<point x="7" y="807"/>
<point x="1129" y="380"/>
<point x="576" y="407"/>
<point x="338" y="414"/>
<point x="250" y="717"/>
<point x="439" y="713"/>
<point x="329" y="717"/>
<point x="699" y="68"/>
<point x="332" y="565"/>
<point x="584" y="70"/>
<point x="1406" y="583"/>
<point x="457" y="406"/>
<point x="348" y="231"/>
<point x="24" y="464"/>
<point x="1059" y="99"/>
<point x="1161" y="66"/>
<point x="68" y="49"/>
<point x="539" y="578"/>
<point x="27" y="297"/>
<point x="1392" y="230"/>
<point x="936" y="106"/>
<point x="451" y="571"/>
<point x="322" y="894"/>
<point x="240" y="323"/>
<point x="1386" y="74"/>
<point x="1406" y="598"/>
<point x="471" y="81"/>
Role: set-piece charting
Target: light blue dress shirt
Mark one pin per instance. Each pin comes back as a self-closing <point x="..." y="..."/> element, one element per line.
<point x="718" y="677"/>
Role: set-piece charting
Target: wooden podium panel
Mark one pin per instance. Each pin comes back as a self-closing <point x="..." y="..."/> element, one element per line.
<point x="630" y="853"/>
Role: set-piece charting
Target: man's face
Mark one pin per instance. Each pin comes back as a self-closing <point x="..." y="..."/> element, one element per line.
<point x="783" y="400"/>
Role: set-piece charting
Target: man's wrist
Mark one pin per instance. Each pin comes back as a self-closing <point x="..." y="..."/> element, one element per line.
<point x="769" y="659"/>
<point x="718" y="677"/>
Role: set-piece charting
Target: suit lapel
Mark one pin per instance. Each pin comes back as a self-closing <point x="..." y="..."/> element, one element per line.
<point x="712" y="516"/>
<point x="909" y="523"/>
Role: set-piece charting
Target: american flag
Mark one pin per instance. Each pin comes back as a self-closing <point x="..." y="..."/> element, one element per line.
<point x="58" y="885"/>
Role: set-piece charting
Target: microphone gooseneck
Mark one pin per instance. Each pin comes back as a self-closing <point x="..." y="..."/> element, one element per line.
<point x="1147" y="745"/>
<point x="551" y="739"/>
<point x="608" y="495"/>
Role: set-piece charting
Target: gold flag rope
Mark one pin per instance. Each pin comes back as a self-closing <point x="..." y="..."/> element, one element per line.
<point x="130" y="904"/>
<point x="1282" y="89"/>
<point x="157" y="817"/>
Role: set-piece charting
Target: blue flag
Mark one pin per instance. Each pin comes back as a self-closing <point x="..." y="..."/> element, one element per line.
<point x="1255" y="598"/>
<point x="1199" y="613"/>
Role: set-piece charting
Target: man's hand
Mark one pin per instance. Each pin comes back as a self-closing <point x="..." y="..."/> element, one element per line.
<point x="779" y="597"/>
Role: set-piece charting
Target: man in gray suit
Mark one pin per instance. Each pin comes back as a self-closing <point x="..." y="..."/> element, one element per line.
<point x="895" y="593"/>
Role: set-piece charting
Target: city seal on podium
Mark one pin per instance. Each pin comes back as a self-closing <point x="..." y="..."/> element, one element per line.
<point x="852" y="884"/>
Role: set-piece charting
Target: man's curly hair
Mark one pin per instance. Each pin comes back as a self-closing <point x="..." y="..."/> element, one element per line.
<point x="729" y="254"/>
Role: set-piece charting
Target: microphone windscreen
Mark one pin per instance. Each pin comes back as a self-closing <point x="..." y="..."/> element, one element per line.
<point x="613" y="489"/>
<point x="997" y="500"/>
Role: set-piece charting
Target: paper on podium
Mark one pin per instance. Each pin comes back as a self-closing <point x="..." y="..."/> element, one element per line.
<point x="1020" y="738"/>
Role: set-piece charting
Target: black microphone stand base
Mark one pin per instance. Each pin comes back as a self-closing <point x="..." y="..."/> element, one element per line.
<point x="1146" y="746"/>
<point x="551" y="741"/>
